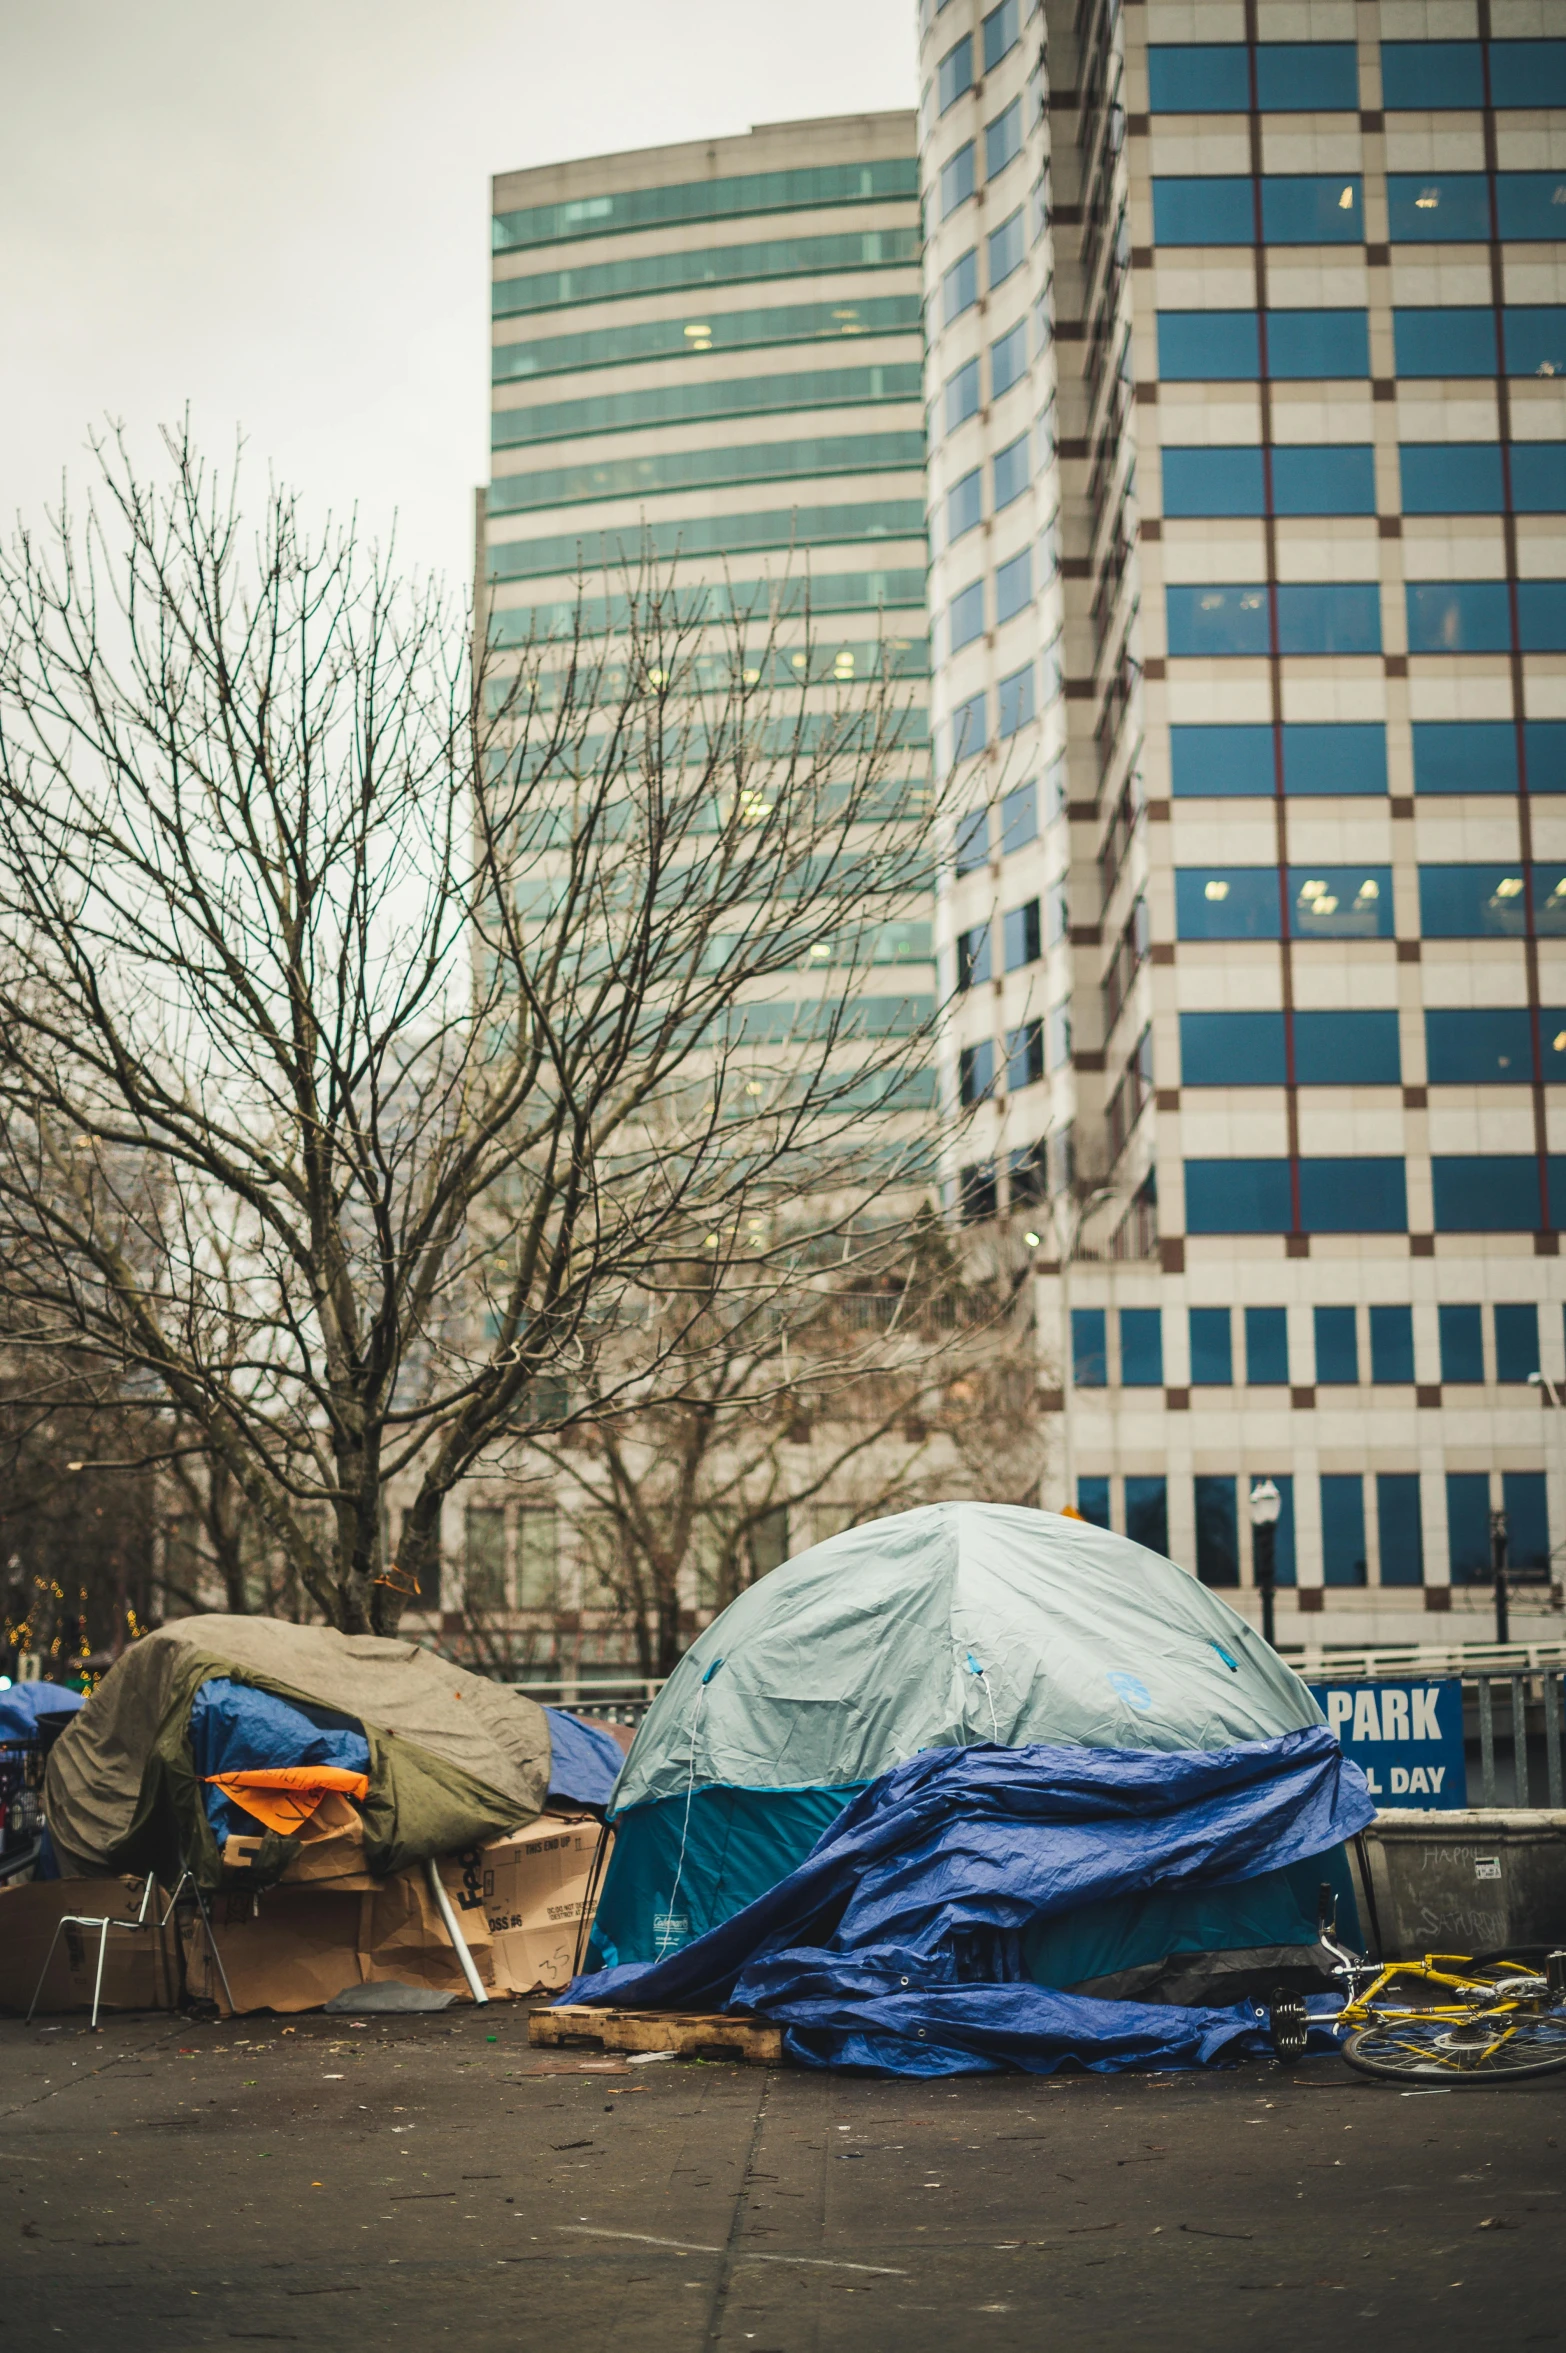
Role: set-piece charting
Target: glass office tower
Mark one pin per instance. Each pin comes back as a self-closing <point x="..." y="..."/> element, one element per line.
<point x="1246" y="385"/>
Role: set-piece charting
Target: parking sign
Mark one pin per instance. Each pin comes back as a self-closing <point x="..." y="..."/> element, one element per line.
<point x="1406" y="1738"/>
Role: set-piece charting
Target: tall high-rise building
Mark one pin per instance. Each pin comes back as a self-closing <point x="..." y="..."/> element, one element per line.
<point x="1246" y="386"/>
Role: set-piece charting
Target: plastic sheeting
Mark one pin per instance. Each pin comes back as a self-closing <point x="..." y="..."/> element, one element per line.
<point x="584" y="1759"/>
<point x="900" y="1942"/>
<point x="23" y="1705"/>
<point x="238" y="1728"/>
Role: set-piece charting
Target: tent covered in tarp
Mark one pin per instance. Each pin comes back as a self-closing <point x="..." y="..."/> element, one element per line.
<point x="437" y="1759"/>
<point x="26" y="1709"/>
<point x="957" y="1627"/>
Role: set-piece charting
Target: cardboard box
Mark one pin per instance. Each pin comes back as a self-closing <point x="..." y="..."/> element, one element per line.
<point x="331" y="1847"/>
<point x="531" y="1891"/>
<point x="292" y="1948"/>
<point x="141" y="1968"/>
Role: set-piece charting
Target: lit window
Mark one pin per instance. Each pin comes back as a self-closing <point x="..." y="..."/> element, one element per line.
<point x="1216" y="890"/>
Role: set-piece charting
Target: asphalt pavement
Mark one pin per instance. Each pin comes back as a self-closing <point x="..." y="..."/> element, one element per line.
<point x="336" y="2183"/>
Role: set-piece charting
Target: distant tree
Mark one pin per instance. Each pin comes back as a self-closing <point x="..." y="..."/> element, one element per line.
<point x="378" y="1013"/>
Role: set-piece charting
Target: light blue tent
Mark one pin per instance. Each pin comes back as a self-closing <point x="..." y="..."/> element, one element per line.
<point x="954" y="1626"/>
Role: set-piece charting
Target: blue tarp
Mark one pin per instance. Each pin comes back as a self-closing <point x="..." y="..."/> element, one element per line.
<point x="584" y="1760"/>
<point x="24" y="1703"/>
<point x="235" y="1728"/>
<point x="900" y="1942"/>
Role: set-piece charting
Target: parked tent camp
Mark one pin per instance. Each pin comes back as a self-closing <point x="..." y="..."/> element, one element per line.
<point x="1123" y="1690"/>
<point x="217" y="1726"/>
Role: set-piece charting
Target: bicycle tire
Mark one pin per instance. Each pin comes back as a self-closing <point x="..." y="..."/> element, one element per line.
<point x="1408" y="2048"/>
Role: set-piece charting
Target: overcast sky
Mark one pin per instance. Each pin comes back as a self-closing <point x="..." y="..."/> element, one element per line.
<point x="277" y="212"/>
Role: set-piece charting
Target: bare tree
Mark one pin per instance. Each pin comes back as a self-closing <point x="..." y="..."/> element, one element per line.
<point x="377" y="1017"/>
<point x="908" y="1378"/>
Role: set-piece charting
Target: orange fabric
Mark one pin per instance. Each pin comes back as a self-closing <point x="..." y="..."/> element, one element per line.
<point x="281" y="1797"/>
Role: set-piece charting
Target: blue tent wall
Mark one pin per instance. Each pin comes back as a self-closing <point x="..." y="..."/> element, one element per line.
<point x="739" y="1843"/>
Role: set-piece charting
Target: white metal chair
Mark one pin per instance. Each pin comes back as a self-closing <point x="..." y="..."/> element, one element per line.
<point x="103" y="1923"/>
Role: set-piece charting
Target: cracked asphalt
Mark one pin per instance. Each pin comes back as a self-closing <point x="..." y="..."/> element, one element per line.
<point x="340" y="2184"/>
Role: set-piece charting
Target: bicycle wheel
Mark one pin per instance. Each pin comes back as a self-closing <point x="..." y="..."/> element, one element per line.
<point x="1482" y="2047"/>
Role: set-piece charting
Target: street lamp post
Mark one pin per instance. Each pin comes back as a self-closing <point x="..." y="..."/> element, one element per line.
<point x="1265" y="1505"/>
<point x="1503" y="1632"/>
<point x="1068" y="1237"/>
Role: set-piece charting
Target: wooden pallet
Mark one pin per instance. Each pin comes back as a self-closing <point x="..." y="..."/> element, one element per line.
<point x="688" y="2034"/>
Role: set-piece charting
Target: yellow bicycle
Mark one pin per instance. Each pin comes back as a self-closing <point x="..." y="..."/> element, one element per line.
<point x="1450" y="2018"/>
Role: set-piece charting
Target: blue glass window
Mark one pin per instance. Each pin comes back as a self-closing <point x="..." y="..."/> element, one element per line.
<point x="1204" y="211"/>
<point x="1217" y="1532"/>
<point x="1220" y="762"/>
<point x="1524" y="1502"/>
<point x="1217" y="620"/>
<point x="1232" y="1050"/>
<point x="1021" y="928"/>
<point x="954" y="74"/>
<point x="1024" y="1059"/>
<point x="1468" y="1526"/>
<point x="1016" y="702"/>
<point x="1486" y="1193"/>
<point x="1209" y="346"/>
<point x="1398" y="1528"/>
<point x="965" y="616"/>
<point x="1541" y="610"/>
<point x="1438" y="208"/>
<point x="1307" y="77"/>
<point x="1237" y="1197"/>
<point x="1535" y="340"/>
<point x="1019" y="819"/>
<point x="1482" y="1045"/>
<point x="1337" y="1347"/>
<point x="1307" y="346"/>
<point x="1539" y="477"/>
<point x="1528" y="73"/>
<point x="1012" y="472"/>
<point x="1003" y="139"/>
<point x="1340" y="902"/>
<point x="1008" y="359"/>
<point x="1462" y="1344"/>
<point x="1147" y="1513"/>
<point x="1339" y="480"/>
<point x="1141" y="1348"/>
<point x="1007" y="246"/>
<point x="1446" y="342"/>
<point x="1465" y="756"/>
<point x="1213" y="482"/>
<point x="1093" y="1501"/>
<point x="976" y="1073"/>
<point x="1089" y="1348"/>
<point x="958" y="179"/>
<point x="1013" y="587"/>
<point x="1451" y="478"/>
<point x="1001" y="32"/>
<point x="1361" y="1196"/>
<point x="1544" y="748"/>
<point x="1346" y="1050"/>
<point x="973" y="957"/>
<point x="1458" y="617"/>
<point x="1392" y="1344"/>
<point x="1341" y="756"/>
<point x="1431" y="76"/>
<point x="1267" y="1347"/>
<point x="1342" y="1528"/>
<point x="1227" y="903"/>
<point x="1212" y="78"/>
<point x="1516" y="1340"/>
<point x="1212" y="1348"/>
<point x="1329" y="617"/>
<point x="960" y="286"/>
<point x="973" y="841"/>
<point x="967" y="726"/>
<point x="965" y="505"/>
<point x="962" y="395"/>
<point x="1313" y="209"/>
<point x="1528" y="206"/>
<point x="1471" y="902"/>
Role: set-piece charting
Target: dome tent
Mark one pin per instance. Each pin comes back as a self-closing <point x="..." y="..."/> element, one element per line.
<point x="953" y="1627"/>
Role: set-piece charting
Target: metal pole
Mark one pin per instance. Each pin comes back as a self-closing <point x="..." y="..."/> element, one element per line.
<point x="1554" y="1695"/>
<point x="1266" y="1576"/>
<point x="1486" y="1743"/>
<point x="459" y="1943"/>
<point x="1521" y="1795"/>
<point x="1498" y="1568"/>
